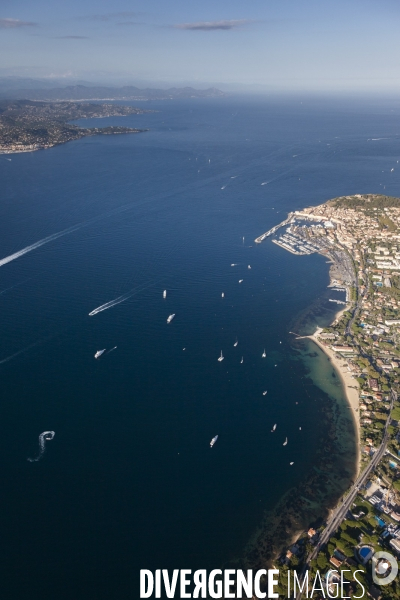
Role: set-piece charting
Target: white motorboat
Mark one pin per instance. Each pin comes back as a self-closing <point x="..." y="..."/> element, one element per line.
<point x="170" y="318"/>
<point x="164" y="294"/>
<point x="273" y="429"/>
<point x="213" y="441"/>
<point x="265" y="393"/>
<point x="241" y="362"/>
<point x="221" y="358"/>
<point x="285" y="442"/>
<point x="99" y="353"/>
<point x="264" y="354"/>
<point x="236" y="343"/>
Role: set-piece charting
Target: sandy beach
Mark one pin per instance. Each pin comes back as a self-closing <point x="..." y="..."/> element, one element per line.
<point x="350" y="384"/>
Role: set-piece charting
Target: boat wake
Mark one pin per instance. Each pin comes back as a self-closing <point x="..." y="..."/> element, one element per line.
<point x="4" y="360"/>
<point x="42" y="242"/>
<point x="44" y="437"/>
<point x="122" y="298"/>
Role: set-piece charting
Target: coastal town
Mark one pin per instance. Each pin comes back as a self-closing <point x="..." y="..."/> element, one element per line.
<point x="360" y="236"/>
<point x="26" y="126"/>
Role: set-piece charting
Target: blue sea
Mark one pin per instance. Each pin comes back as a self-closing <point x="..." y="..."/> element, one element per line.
<point x="129" y="480"/>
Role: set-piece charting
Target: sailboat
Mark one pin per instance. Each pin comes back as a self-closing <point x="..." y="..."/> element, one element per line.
<point x="273" y="429"/>
<point x="221" y="358"/>
<point x="264" y="354"/>
<point x="241" y="362"/>
<point x="164" y="294"/>
<point x="285" y="442"/>
<point x="236" y="343"/>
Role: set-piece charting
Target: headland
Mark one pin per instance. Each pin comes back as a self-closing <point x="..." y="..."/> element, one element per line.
<point x="26" y="126"/>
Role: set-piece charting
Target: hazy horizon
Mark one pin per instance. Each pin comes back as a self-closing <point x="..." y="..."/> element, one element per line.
<point x="274" y="47"/>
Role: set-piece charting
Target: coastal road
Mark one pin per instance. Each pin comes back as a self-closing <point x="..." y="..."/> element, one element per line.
<point x="340" y="512"/>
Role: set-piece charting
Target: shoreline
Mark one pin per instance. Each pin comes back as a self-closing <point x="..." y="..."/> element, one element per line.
<point x="349" y="383"/>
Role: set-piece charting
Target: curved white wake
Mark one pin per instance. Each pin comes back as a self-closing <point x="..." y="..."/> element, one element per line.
<point x="122" y="298"/>
<point x="44" y="437"/>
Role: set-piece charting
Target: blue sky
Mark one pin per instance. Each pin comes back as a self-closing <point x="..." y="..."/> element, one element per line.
<point x="283" y="45"/>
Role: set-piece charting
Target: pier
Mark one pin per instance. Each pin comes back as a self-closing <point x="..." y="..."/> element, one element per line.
<point x="262" y="237"/>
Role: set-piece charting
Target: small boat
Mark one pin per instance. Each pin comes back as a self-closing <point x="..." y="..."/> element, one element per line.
<point x="221" y="358"/>
<point x="170" y="318"/>
<point x="273" y="429"/>
<point x="222" y="295"/>
<point x="233" y="264"/>
<point x="285" y="442"/>
<point x="264" y="354"/>
<point x="240" y="280"/>
<point x="241" y="362"/>
<point x="265" y="393"/>
<point x="164" y="294"/>
<point x="99" y="353"/>
<point x="248" y="266"/>
<point x="292" y="463"/>
<point x="236" y="343"/>
<point x="213" y="441"/>
<point x="299" y="428"/>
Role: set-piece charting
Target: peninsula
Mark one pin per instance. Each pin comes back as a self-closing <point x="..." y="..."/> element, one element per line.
<point x="360" y="235"/>
<point x="26" y="125"/>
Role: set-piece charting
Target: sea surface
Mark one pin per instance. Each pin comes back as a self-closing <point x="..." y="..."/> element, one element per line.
<point x="129" y="480"/>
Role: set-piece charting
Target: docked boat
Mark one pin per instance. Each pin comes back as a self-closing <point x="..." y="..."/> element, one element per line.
<point x="99" y="353"/>
<point x="170" y="318"/>
<point x="285" y="442"/>
<point x="236" y="343"/>
<point x="221" y="358"/>
<point x="164" y="294"/>
<point x="213" y="441"/>
<point x="264" y="354"/>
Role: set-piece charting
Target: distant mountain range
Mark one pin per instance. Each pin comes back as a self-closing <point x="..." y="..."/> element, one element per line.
<point x="84" y="92"/>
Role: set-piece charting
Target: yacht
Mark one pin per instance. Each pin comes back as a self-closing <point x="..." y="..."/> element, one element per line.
<point x="99" y="353"/>
<point x="273" y="429"/>
<point x="236" y="343"/>
<point x="164" y="294"/>
<point x="213" y="441"/>
<point x="221" y="358"/>
<point x="264" y="354"/>
<point x="170" y="318"/>
<point x="285" y="442"/>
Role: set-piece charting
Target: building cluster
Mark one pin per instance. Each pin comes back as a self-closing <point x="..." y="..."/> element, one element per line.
<point x="361" y="236"/>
